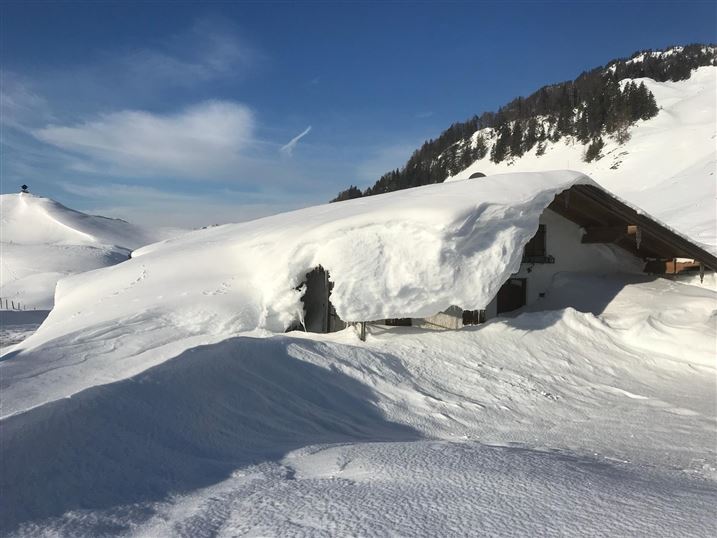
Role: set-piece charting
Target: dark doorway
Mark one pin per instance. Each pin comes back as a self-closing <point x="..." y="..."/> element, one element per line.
<point x="512" y="295"/>
<point x="319" y="314"/>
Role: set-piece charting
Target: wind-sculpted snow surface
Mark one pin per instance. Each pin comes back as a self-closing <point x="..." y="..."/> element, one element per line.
<point x="563" y="422"/>
<point x="158" y="400"/>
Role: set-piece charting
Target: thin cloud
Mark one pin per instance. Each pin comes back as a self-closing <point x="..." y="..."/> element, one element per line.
<point x="200" y="140"/>
<point x="288" y="149"/>
<point x="210" y="50"/>
<point x="157" y="209"/>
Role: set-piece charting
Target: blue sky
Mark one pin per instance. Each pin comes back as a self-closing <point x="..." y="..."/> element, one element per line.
<point x="185" y="114"/>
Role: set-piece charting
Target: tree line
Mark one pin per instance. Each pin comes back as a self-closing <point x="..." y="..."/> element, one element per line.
<point x="593" y="105"/>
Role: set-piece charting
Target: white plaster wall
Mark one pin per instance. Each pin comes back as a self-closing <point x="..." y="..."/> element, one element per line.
<point x="563" y="242"/>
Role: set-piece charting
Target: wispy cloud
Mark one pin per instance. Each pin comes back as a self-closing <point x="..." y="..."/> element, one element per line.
<point x="211" y="49"/>
<point x="288" y="149"/>
<point x="20" y="104"/>
<point x="201" y="140"/>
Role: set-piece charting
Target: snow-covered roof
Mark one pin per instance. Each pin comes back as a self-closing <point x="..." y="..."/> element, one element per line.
<point x="408" y="253"/>
<point x="413" y="252"/>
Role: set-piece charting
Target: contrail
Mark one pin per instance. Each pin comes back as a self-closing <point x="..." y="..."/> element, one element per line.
<point x="288" y="149"/>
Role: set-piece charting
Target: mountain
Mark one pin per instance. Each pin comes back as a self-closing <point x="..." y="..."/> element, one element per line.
<point x="666" y="166"/>
<point x="662" y="160"/>
<point x="43" y="241"/>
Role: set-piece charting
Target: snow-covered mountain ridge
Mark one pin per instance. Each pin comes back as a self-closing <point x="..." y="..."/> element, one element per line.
<point x="667" y="167"/>
<point x="43" y="241"/>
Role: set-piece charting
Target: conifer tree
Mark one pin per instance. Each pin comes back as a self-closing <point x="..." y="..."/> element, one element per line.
<point x="531" y="134"/>
<point x="502" y="144"/>
<point x="593" y="150"/>
<point x="516" y="140"/>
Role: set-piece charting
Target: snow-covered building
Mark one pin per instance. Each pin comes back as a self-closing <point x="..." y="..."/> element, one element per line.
<point x="475" y="248"/>
<point x="583" y="229"/>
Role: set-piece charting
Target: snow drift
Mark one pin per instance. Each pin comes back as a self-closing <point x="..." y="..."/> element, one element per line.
<point x="43" y="241"/>
<point x="591" y="418"/>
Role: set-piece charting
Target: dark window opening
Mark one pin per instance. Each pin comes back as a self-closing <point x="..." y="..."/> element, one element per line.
<point x="536" y="249"/>
<point x="319" y="314"/>
<point x="473" y="317"/>
<point x="512" y="295"/>
<point x="398" y="322"/>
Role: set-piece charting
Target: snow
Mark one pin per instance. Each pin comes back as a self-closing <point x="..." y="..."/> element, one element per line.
<point x="158" y="399"/>
<point x="43" y="241"/>
<point x="16" y="326"/>
<point x="666" y="168"/>
<point x="404" y="254"/>
<point x="548" y="422"/>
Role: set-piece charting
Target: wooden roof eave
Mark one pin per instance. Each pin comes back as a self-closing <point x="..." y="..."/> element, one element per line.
<point x="589" y="206"/>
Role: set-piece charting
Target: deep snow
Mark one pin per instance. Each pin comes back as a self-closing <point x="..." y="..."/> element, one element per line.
<point x="549" y="422"/>
<point x="42" y="241"/>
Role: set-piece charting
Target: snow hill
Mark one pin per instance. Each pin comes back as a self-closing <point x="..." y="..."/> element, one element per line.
<point x="43" y="241"/>
<point x="667" y="167"/>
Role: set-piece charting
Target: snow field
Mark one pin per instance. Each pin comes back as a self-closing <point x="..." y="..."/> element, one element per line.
<point x="278" y="436"/>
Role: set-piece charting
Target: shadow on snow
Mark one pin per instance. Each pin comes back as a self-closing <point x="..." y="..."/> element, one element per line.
<point x="182" y="425"/>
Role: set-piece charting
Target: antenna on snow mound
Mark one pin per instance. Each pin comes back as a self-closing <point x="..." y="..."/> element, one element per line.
<point x="23" y="189"/>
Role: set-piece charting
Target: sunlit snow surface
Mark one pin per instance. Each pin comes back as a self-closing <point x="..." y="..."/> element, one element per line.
<point x="42" y="241"/>
<point x="591" y="420"/>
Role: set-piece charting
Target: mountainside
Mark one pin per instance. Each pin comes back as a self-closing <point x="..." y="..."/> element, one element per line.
<point x="601" y="125"/>
<point x="666" y="167"/>
<point x="43" y="241"/>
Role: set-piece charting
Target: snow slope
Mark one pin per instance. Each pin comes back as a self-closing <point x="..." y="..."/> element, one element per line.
<point x="575" y="421"/>
<point x="43" y="241"/>
<point x="666" y="168"/>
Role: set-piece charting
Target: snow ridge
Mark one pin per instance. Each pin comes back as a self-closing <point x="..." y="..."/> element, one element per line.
<point x="43" y="241"/>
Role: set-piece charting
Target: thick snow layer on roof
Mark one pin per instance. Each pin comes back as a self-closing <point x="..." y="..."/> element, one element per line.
<point x="410" y="253"/>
